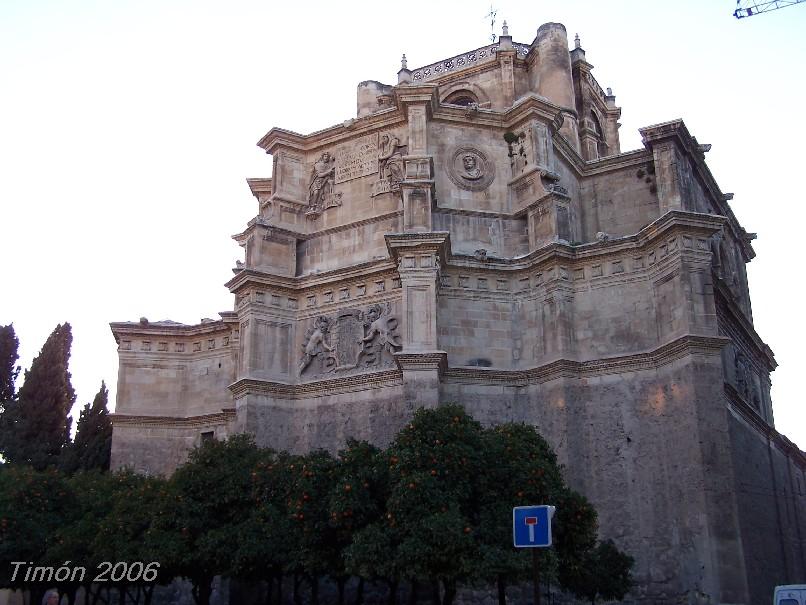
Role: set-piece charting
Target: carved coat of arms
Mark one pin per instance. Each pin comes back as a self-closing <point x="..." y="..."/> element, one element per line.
<point x="353" y="339"/>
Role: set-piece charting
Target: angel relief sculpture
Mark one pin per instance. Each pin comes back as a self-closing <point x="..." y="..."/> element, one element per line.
<point x="315" y="343"/>
<point x="355" y="339"/>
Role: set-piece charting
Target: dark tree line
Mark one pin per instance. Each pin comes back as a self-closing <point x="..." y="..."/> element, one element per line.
<point x="35" y="421"/>
<point x="431" y="512"/>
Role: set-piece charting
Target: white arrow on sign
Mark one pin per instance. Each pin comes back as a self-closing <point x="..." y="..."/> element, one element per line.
<point x="530" y="523"/>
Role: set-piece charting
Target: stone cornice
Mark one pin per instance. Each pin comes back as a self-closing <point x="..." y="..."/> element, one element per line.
<point x="422" y="360"/>
<point x="156" y="329"/>
<point x="571" y="155"/>
<point x="673" y="222"/>
<point x="754" y="419"/>
<point x="128" y="420"/>
<point x="667" y="353"/>
<point x="725" y="304"/>
<point x="439" y="241"/>
<point x="278" y="138"/>
<point x="363" y="270"/>
<point x="299" y="235"/>
<point x="330" y="386"/>
<point x="259" y="185"/>
<point x="676" y="131"/>
<point x="609" y="163"/>
<point x="568" y="368"/>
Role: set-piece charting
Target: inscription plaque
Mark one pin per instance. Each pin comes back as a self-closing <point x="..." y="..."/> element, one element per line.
<point x="356" y="159"/>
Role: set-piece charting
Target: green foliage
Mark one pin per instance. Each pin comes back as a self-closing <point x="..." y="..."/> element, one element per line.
<point x="436" y="506"/>
<point x="207" y="497"/>
<point x="434" y="466"/>
<point x="264" y="537"/>
<point x="575" y="535"/>
<point x="521" y="469"/>
<point x="92" y="446"/>
<point x="35" y="427"/>
<point x="604" y="573"/>
<point x="9" y="345"/>
<point x="33" y="506"/>
<point x="316" y="551"/>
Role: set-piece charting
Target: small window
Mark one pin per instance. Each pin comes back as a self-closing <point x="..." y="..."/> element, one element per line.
<point x="462" y="97"/>
<point x="207" y="437"/>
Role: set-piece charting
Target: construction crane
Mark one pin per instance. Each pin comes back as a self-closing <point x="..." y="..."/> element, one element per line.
<point x="749" y="8"/>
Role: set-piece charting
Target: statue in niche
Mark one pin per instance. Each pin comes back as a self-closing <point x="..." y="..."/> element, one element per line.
<point x="320" y="190"/>
<point x="472" y="171"/>
<point x="315" y="343"/>
<point x="390" y="152"/>
<point x="390" y="164"/>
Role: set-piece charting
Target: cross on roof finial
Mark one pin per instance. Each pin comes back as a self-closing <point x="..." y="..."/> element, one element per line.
<point x="492" y="15"/>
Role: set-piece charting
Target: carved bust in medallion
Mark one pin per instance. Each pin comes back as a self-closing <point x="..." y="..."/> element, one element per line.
<point x="470" y="168"/>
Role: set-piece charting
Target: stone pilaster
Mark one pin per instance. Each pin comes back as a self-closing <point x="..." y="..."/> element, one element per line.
<point x="668" y="142"/>
<point x="506" y="62"/>
<point x="419" y="257"/>
<point x="549" y="221"/>
<point x="417" y="187"/>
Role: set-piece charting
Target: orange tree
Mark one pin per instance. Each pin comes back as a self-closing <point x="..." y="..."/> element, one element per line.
<point x="34" y="505"/>
<point x="207" y="499"/>
<point x="434" y="466"/>
<point x="134" y="529"/>
<point x="520" y="469"/>
<point x="357" y="500"/>
<point x="314" y="549"/>
<point x="264" y="537"/>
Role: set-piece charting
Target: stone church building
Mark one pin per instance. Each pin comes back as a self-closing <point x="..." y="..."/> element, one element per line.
<point x="475" y="234"/>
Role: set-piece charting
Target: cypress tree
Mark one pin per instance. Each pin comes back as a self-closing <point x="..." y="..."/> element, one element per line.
<point x="36" y="425"/>
<point x="9" y="345"/>
<point x="93" y="443"/>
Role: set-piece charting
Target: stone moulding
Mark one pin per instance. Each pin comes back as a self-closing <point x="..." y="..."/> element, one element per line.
<point x="223" y="417"/>
<point x="315" y="388"/>
<point x="730" y="313"/>
<point x="738" y="406"/>
<point x="567" y="368"/>
<point x="429" y="360"/>
<point x="562" y="368"/>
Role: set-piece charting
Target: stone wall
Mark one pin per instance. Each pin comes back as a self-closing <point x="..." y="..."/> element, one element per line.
<point x="771" y="492"/>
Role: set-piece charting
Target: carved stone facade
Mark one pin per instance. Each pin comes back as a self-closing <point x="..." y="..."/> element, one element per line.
<point x="476" y="235"/>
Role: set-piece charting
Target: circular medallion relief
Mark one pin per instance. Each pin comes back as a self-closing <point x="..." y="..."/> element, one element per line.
<point x="470" y="168"/>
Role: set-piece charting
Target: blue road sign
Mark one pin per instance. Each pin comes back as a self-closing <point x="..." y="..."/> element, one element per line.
<point x="531" y="526"/>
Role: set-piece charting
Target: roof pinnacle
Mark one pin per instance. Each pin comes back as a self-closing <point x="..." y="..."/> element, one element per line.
<point x="577" y="42"/>
<point x="404" y="62"/>
<point x="505" y="29"/>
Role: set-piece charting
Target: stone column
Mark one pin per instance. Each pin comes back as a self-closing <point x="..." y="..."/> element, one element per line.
<point x="419" y="257"/>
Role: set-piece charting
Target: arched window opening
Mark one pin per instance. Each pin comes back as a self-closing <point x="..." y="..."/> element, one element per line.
<point x="597" y="128"/>
<point x="462" y="97"/>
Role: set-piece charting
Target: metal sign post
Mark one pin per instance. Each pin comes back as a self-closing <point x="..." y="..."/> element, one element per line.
<point x="531" y="528"/>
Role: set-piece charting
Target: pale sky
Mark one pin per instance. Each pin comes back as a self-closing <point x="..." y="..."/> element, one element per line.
<point x="128" y="128"/>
